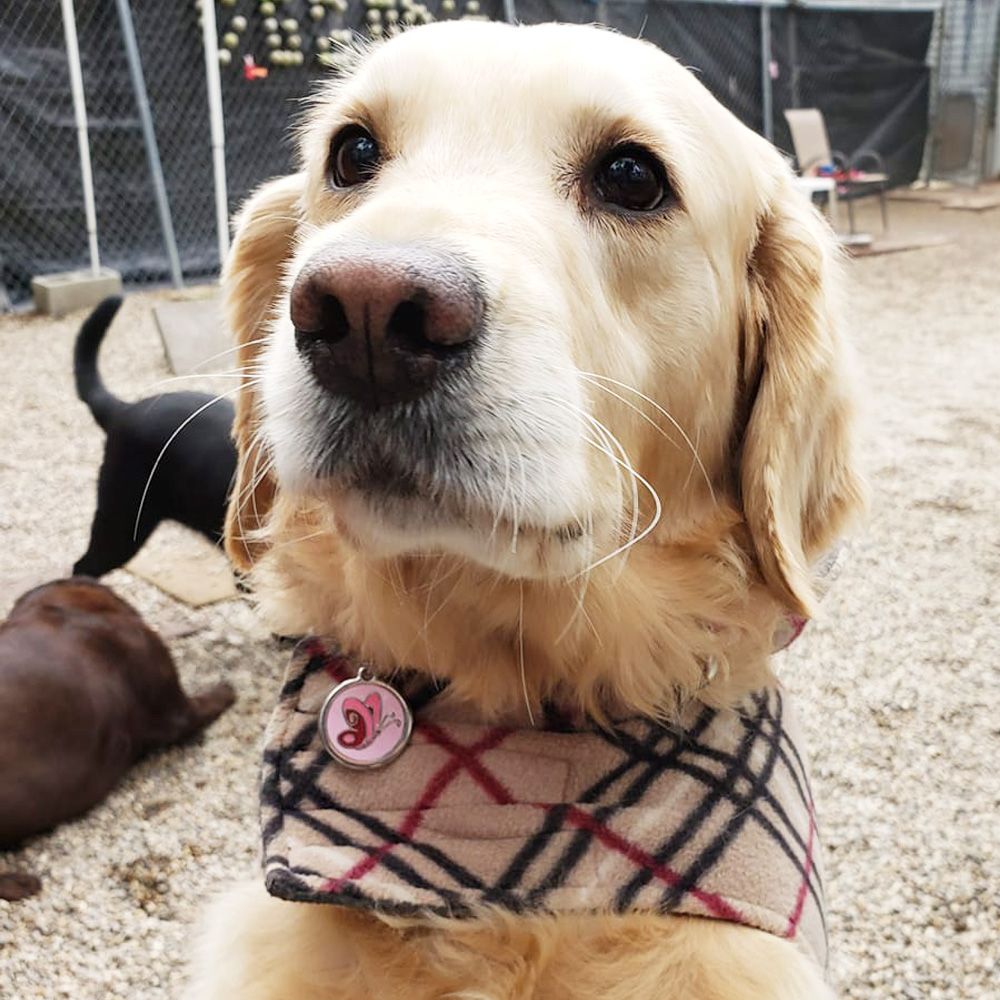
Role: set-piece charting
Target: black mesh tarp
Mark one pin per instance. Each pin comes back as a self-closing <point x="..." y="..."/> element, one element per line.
<point x="866" y="71"/>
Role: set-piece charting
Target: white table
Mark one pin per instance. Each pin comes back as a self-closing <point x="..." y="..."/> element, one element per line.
<point x="825" y="185"/>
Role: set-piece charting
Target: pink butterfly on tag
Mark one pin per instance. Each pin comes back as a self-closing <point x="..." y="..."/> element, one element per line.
<point x="365" y="722"/>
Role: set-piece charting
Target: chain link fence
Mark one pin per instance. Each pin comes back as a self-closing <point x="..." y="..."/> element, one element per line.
<point x="965" y="145"/>
<point x="130" y="228"/>
<point x="42" y="225"/>
<point x="866" y="69"/>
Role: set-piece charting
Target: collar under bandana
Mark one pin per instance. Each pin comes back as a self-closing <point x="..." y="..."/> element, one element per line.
<point x="713" y="818"/>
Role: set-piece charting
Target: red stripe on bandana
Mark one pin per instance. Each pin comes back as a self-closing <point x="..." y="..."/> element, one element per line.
<point x="460" y="758"/>
<point x="800" y="898"/>
<point x="714" y="903"/>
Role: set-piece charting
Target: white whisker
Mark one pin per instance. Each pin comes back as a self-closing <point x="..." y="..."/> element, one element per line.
<point x="624" y="464"/>
<point x="654" y="521"/>
<point x="520" y="652"/>
<point x="228" y="350"/>
<point x="518" y="506"/>
<point x="590" y="376"/>
<point x="170" y="440"/>
<point x="503" y="495"/>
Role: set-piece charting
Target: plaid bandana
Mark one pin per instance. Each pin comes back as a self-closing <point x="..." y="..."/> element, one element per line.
<point x="712" y="818"/>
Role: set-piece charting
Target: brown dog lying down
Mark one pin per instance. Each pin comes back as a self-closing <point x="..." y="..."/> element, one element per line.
<point x="87" y="689"/>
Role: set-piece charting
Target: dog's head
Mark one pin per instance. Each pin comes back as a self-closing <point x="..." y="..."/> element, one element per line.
<point x="536" y="304"/>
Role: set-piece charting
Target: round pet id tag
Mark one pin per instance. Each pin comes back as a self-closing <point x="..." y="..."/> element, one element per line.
<point x="365" y="723"/>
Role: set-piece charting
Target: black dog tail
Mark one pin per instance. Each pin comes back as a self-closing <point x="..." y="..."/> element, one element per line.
<point x="89" y="386"/>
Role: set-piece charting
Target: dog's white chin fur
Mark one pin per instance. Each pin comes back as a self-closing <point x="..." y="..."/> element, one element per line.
<point x="414" y="527"/>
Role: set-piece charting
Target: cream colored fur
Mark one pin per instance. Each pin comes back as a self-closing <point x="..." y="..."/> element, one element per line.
<point x="253" y="947"/>
<point x="723" y="311"/>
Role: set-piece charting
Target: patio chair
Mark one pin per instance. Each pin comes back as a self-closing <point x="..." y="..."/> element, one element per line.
<point x="812" y="150"/>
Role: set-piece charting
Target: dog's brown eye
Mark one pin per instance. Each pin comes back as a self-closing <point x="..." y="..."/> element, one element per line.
<point x="354" y="157"/>
<point x="632" y="178"/>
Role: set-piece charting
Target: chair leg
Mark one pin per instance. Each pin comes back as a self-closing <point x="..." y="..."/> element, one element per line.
<point x="832" y="203"/>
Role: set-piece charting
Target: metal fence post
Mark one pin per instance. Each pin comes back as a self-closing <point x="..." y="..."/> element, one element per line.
<point x="993" y="159"/>
<point x="149" y="138"/>
<point x="213" y="86"/>
<point x="934" y="51"/>
<point x="766" y="83"/>
<point x="793" y="55"/>
<point x="80" y="113"/>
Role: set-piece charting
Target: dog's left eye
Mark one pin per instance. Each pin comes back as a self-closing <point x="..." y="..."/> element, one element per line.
<point x="632" y="178"/>
<point x="354" y="157"/>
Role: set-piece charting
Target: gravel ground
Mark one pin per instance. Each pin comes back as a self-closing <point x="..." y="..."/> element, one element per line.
<point x="897" y="683"/>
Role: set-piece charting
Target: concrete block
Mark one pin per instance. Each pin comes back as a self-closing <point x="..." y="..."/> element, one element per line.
<point x="194" y="336"/>
<point x="58" y="294"/>
<point x="185" y="566"/>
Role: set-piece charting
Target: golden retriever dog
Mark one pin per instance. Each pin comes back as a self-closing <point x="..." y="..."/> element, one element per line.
<point x="545" y="396"/>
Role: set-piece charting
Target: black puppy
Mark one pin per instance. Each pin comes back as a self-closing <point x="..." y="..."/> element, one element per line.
<point x="193" y="478"/>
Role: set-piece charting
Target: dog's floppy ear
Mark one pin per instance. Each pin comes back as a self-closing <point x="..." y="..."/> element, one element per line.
<point x="796" y="468"/>
<point x="265" y="236"/>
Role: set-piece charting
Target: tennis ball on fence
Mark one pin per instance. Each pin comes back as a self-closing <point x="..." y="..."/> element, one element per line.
<point x="373" y="16"/>
<point x="375" y="30"/>
<point x="392" y="16"/>
<point x="270" y="25"/>
<point x="230" y="39"/>
<point x="409" y="17"/>
<point x="294" y="41"/>
<point x="225" y="57"/>
<point x="289" y="24"/>
<point x="239" y="23"/>
<point x="266" y="8"/>
<point x="339" y="5"/>
<point x="447" y="6"/>
<point x="298" y="58"/>
<point x="472" y="7"/>
<point x="273" y="41"/>
<point x="323" y="44"/>
<point x="228" y="3"/>
<point x="316" y="12"/>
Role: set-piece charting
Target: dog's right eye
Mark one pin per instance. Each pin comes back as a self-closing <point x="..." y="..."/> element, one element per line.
<point x="354" y="157"/>
<point x="630" y="178"/>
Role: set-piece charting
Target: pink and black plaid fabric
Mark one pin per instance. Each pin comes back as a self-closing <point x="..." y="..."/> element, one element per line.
<point x="712" y="818"/>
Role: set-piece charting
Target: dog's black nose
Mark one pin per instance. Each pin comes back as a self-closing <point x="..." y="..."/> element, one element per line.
<point x="380" y="323"/>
